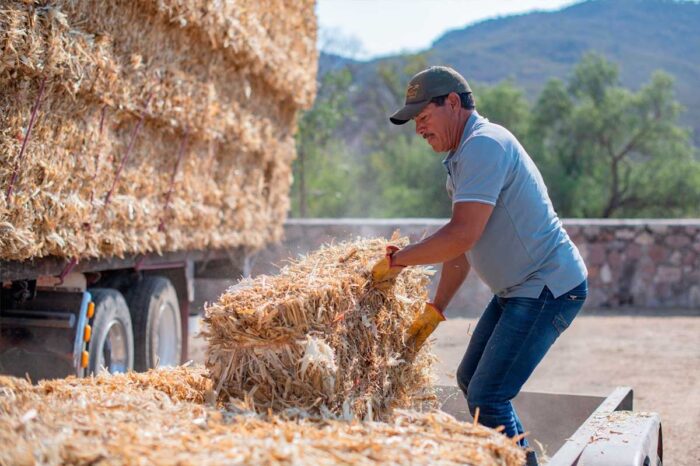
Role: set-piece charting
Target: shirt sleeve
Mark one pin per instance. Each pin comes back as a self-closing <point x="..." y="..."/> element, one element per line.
<point x="480" y="172"/>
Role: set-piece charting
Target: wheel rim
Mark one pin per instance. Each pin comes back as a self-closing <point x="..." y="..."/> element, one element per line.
<point x="115" y="353"/>
<point x="166" y="337"/>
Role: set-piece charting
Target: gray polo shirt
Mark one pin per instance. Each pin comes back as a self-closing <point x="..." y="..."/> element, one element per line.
<point x="524" y="245"/>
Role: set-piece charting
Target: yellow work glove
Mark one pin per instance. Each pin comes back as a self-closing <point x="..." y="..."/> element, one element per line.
<point x="385" y="271"/>
<point x="423" y="326"/>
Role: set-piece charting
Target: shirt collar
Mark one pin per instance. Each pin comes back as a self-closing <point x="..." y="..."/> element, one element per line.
<point x="468" y="129"/>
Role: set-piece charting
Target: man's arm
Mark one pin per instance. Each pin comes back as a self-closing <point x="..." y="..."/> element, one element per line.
<point x="457" y="237"/>
<point x="451" y="278"/>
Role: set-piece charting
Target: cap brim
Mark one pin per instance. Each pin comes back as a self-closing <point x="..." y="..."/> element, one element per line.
<point x="408" y="112"/>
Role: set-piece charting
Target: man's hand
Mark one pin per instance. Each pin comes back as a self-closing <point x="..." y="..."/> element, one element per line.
<point x="385" y="271"/>
<point x="423" y="326"/>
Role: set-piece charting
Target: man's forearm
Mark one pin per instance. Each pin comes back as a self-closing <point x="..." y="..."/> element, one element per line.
<point x="442" y="246"/>
<point x="457" y="237"/>
<point x="451" y="278"/>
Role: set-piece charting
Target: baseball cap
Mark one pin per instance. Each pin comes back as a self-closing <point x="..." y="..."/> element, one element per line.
<point x="428" y="84"/>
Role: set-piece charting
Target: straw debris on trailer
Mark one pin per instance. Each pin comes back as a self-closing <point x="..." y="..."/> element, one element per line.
<point x="160" y="417"/>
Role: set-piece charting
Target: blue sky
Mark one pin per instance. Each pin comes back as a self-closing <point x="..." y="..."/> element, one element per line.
<point x="369" y="28"/>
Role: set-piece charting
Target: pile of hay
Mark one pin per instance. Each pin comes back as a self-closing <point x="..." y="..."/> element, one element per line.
<point x="319" y="338"/>
<point x="156" y="125"/>
<point x="160" y="418"/>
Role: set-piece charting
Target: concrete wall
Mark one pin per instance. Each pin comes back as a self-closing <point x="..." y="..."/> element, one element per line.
<point x="635" y="264"/>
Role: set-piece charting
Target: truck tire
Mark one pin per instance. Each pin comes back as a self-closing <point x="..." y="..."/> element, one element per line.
<point x="112" y="344"/>
<point x="155" y="318"/>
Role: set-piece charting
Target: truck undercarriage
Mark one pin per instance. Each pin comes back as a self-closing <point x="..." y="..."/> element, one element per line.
<point x="59" y="319"/>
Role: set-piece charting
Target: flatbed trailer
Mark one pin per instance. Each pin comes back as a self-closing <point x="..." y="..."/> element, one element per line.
<point x="60" y="318"/>
<point x="580" y="430"/>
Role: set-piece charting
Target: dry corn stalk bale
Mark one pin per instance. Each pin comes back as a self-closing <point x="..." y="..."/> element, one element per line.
<point x="112" y="50"/>
<point x="59" y="203"/>
<point x="108" y="66"/>
<point x="189" y="87"/>
<point x="161" y="417"/>
<point x="278" y="49"/>
<point x="318" y="337"/>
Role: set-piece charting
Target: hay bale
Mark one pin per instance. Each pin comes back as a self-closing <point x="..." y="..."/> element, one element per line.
<point x="159" y="125"/>
<point x="319" y="338"/>
<point x="280" y="49"/>
<point x="160" y="418"/>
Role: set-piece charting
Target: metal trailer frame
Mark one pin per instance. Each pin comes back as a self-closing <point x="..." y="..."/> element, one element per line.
<point x="200" y="262"/>
<point x="50" y="335"/>
<point x="580" y="430"/>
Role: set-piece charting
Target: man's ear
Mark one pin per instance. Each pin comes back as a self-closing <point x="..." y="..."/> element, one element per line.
<point x="454" y="100"/>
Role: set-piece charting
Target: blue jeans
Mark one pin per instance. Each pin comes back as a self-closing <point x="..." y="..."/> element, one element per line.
<point x="511" y="338"/>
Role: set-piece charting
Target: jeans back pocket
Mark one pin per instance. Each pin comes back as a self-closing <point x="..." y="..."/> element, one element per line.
<point x="560" y="323"/>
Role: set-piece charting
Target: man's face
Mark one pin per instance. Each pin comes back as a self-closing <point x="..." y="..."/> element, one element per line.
<point x="433" y="125"/>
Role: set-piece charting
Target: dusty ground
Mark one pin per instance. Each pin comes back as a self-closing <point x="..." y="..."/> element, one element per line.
<point x="659" y="357"/>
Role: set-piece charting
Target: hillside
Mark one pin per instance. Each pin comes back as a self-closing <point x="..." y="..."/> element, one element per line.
<point x="640" y="36"/>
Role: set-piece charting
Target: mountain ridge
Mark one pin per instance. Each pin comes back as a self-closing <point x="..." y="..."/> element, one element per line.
<point x="640" y="36"/>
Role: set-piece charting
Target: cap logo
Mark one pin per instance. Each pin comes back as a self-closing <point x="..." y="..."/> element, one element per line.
<point x="412" y="91"/>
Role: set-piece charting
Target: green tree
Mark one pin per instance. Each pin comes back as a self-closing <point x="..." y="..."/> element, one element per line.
<point x="330" y="179"/>
<point x="504" y="104"/>
<point x="321" y="170"/>
<point x="410" y="180"/>
<point x="606" y="151"/>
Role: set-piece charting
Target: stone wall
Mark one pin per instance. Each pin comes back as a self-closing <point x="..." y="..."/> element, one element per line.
<point x="633" y="264"/>
<point x="640" y="263"/>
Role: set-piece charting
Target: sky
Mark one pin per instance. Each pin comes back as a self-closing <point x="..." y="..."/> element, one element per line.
<point x="365" y="29"/>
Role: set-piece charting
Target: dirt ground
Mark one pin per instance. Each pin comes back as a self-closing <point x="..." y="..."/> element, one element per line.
<point x="658" y="356"/>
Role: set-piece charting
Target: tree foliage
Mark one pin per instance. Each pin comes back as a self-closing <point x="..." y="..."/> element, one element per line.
<point x="410" y="180"/>
<point x="504" y="104"/>
<point x="604" y="150"/>
<point x="323" y="171"/>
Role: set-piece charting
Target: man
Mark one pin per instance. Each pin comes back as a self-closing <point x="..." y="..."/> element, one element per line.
<point x="504" y="226"/>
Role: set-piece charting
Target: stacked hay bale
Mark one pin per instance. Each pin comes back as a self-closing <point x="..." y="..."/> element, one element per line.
<point x="160" y="417"/>
<point x="319" y="338"/>
<point x="150" y="125"/>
